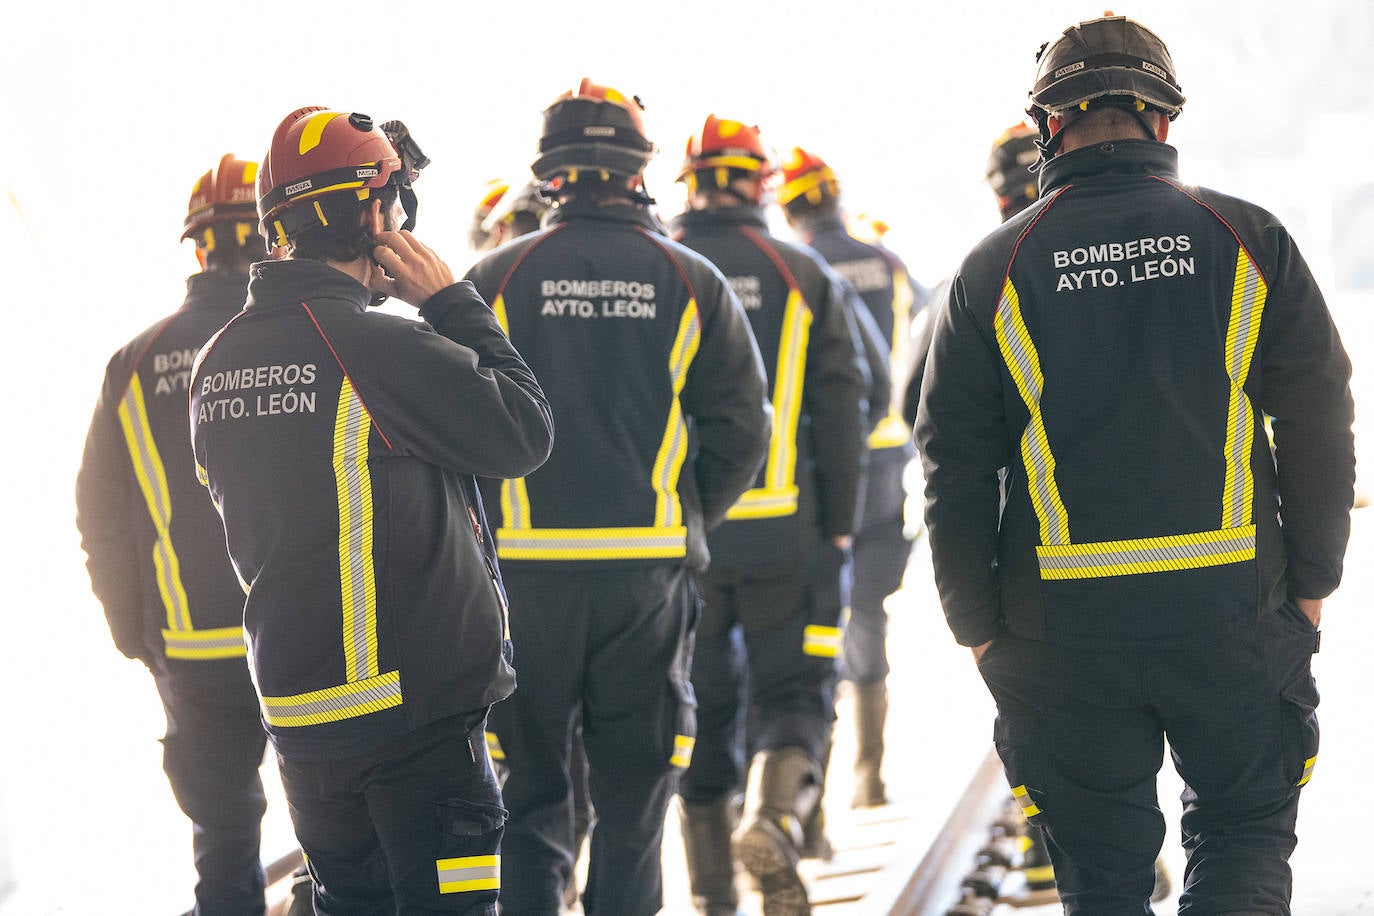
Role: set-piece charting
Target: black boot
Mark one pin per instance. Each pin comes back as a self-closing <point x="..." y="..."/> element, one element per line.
<point x="783" y="790"/>
<point x="706" y="828"/>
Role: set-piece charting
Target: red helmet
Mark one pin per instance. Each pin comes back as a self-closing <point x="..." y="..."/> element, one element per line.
<point x="723" y="145"/>
<point x="492" y="193"/>
<point x="225" y="194"/>
<point x="806" y="173"/>
<point x="316" y="151"/>
<point x="596" y="128"/>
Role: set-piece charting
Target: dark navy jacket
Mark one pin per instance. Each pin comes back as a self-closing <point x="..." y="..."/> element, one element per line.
<point x="1117" y="349"/>
<point x="649" y="363"/>
<point x="340" y="446"/>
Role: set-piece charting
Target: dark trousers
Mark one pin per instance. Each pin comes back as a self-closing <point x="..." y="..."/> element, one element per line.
<point x="616" y="645"/>
<point x="761" y="683"/>
<point x="1081" y="735"/>
<point x="881" y="553"/>
<point x="211" y="754"/>
<point x="411" y="828"/>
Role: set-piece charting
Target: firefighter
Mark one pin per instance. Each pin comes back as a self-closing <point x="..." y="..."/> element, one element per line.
<point x="501" y="216"/>
<point x="658" y="388"/>
<point x="773" y="588"/>
<point x="810" y="197"/>
<point x="1122" y="582"/>
<point x="339" y="446"/>
<point x="155" y="553"/>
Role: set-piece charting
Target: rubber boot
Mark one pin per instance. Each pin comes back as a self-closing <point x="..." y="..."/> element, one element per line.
<point x="870" y="717"/>
<point x="783" y="790"/>
<point x="706" y="828"/>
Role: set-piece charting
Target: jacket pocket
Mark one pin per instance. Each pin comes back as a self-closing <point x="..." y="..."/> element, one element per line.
<point x="469" y="862"/>
<point x="1301" y="733"/>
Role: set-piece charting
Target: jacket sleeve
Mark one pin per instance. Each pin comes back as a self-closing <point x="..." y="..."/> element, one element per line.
<point x="836" y="398"/>
<point x="461" y="398"/>
<point x="725" y="395"/>
<point x="1305" y="388"/>
<point x="105" y="505"/>
<point x="920" y="349"/>
<point x="873" y="352"/>
<point x="961" y="434"/>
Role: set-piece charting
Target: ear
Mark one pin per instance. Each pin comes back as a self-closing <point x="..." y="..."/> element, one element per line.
<point x="370" y="218"/>
<point x="1055" y="123"/>
<point x="200" y="257"/>
<point x="1162" y="129"/>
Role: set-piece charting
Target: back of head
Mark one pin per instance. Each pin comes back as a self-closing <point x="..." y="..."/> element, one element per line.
<point x="593" y="137"/>
<point x="1009" y="173"/>
<point x="322" y="169"/>
<point x="221" y="216"/>
<point x="809" y="186"/>
<point x="726" y="159"/>
<point x="504" y="214"/>
<point x="1108" y="62"/>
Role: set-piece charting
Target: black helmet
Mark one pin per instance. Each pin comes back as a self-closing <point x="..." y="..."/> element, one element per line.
<point x="597" y="129"/>
<point x="1009" y="170"/>
<point x="1112" y="57"/>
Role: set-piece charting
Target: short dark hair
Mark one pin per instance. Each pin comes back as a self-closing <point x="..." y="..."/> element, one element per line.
<point x="343" y="239"/>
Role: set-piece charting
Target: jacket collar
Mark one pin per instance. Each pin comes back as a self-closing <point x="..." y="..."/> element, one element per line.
<point x="278" y="284"/>
<point x="744" y="215"/>
<point x="621" y="213"/>
<point x="215" y="289"/>
<point x="1117" y="157"/>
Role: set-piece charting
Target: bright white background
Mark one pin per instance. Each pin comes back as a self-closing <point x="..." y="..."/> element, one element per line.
<point x="111" y="111"/>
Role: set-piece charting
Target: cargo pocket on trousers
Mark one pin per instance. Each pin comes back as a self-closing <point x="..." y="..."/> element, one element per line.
<point x="1301" y="734"/>
<point x="470" y="845"/>
<point x="1014" y="736"/>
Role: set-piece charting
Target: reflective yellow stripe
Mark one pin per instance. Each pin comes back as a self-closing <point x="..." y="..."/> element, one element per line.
<point x="347" y="701"/>
<point x="591" y="543"/>
<point x="1307" y="770"/>
<point x="823" y="642"/>
<point x="494" y="747"/>
<point x="515" y="498"/>
<point x="1242" y="333"/>
<point x="469" y="873"/>
<point x="778" y="495"/>
<point x="1147" y="555"/>
<point x="683" y="745"/>
<point x="1023" y="798"/>
<point x="673" y="451"/>
<point x="892" y="431"/>
<point x="1024" y="363"/>
<point x="358" y="589"/>
<point x="152" y="481"/>
<point x="225" y="642"/>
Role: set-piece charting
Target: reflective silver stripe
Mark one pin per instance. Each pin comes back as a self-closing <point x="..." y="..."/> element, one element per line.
<point x="469" y="873"/>
<point x="152" y="482"/>
<point x="347" y="701"/>
<point x="1147" y="555"/>
<point x="591" y="543"/>
<point x="357" y="585"/>
<point x="226" y="642"/>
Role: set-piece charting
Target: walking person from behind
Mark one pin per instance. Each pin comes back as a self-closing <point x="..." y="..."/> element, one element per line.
<point x="1128" y="555"/>
<point x="340" y="447"/>
<point x="155" y="553"/>
<point x="658" y="388"/>
<point x="773" y="588"/>
<point x="810" y="197"/>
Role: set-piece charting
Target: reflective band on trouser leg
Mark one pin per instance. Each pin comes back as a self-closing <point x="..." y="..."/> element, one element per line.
<point x="469" y="873"/>
<point x="346" y="701"/>
<point x="226" y="642"/>
<point x="821" y="641"/>
<point x="683" y="745"/>
<point x="1147" y="555"/>
<point x="1028" y="807"/>
<point x="1307" y="770"/>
